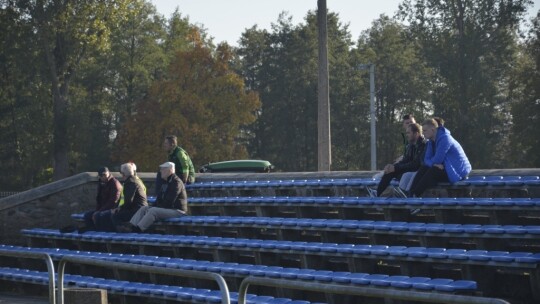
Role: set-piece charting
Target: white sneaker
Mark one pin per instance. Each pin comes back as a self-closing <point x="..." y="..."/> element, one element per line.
<point x="415" y="211"/>
<point x="371" y="192"/>
<point x="398" y="192"/>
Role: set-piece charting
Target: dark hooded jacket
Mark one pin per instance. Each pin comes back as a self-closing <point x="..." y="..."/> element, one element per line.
<point x="413" y="157"/>
<point x="172" y="194"/>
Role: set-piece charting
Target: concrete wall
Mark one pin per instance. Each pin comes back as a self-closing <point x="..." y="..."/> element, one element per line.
<point x="50" y="206"/>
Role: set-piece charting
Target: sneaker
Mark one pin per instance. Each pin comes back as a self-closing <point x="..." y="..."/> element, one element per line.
<point x="398" y="192"/>
<point x="371" y="192"/>
<point x="124" y="228"/>
<point x="415" y="211"/>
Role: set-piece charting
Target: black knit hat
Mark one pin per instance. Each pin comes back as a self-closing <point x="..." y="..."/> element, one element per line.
<point x="102" y="170"/>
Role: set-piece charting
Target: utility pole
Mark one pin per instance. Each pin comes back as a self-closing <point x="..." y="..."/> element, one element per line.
<point x="323" y="117"/>
<point x="371" y="68"/>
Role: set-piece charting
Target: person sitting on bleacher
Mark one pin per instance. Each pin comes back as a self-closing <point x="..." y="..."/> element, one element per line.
<point x="133" y="197"/>
<point x="411" y="160"/>
<point x="444" y="161"/>
<point x="171" y="201"/>
<point x="108" y="194"/>
<point x="405" y="183"/>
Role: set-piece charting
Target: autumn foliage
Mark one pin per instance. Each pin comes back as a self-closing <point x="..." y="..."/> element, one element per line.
<point x="202" y="101"/>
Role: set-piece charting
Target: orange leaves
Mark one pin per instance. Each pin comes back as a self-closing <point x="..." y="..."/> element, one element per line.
<point x="202" y="101"/>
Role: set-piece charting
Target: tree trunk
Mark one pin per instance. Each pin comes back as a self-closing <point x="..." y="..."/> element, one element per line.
<point x="61" y="164"/>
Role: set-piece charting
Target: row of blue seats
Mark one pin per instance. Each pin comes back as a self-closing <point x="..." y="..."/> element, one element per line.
<point x="474" y="181"/>
<point x="384" y="227"/>
<point x="330" y="249"/>
<point x="138" y="289"/>
<point x="366" y="201"/>
<point x="244" y="270"/>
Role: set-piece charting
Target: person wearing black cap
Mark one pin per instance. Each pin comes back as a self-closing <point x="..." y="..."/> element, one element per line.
<point x="108" y="194"/>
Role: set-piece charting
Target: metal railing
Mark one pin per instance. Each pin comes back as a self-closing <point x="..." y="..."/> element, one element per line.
<point x="225" y="297"/>
<point x="7" y="193"/>
<point x="36" y="255"/>
<point x="363" y="291"/>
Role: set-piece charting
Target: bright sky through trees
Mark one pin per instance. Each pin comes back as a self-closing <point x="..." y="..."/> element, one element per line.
<point x="226" y="20"/>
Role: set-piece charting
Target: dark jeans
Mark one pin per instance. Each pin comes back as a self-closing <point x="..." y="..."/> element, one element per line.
<point x="102" y="220"/>
<point x="385" y="181"/>
<point x="123" y="216"/>
<point x="109" y="221"/>
<point x="427" y="177"/>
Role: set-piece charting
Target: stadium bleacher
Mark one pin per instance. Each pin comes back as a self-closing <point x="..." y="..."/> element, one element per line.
<point x="482" y="246"/>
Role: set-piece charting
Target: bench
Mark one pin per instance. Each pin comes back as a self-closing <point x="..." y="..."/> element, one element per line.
<point x="136" y="289"/>
<point x="494" y="210"/>
<point x="244" y="270"/>
<point x="495" y="237"/>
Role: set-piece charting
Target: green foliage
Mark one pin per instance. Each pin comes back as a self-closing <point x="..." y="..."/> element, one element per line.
<point x="524" y="142"/>
<point x="402" y="82"/>
<point x="25" y="107"/>
<point x="282" y="67"/>
<point x="471" y="47"/>
<point x="91" y="83"/>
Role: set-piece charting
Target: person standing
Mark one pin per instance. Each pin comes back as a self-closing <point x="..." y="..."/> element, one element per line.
<point x="183" y="164"/>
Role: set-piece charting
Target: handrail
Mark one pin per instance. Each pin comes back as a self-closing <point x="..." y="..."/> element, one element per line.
<point x="36" y="255"/>
<point x="363" y="291"/>
<point x="225" y="297"/>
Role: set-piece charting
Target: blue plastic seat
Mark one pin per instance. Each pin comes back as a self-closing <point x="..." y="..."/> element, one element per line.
<point x="408" y="283"/>
<point x="378" y="279"/>
<point x="531" y="180"/>
<point x="526" y="258"/>
<point x="475" y="181"/>
<point x="495" y="181"/>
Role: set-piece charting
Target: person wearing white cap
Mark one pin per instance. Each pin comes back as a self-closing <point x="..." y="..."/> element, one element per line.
<point x="171" y="201"/>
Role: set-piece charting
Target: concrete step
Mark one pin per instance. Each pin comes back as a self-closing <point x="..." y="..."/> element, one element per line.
<point x="13" y="298"/>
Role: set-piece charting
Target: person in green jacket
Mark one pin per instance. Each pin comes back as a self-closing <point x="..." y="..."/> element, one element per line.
<point x="184" y="167"/>
<point x="183" y="164"/>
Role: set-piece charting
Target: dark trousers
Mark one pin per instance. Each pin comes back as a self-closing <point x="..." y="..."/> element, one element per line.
<point x="107" y="221"/>
<point x="427" y="177"/>
<point x="101" y="223"/>
<point x="88" y="219"/>
<point x="385" y="181"/>
<point x="123" y="216"/>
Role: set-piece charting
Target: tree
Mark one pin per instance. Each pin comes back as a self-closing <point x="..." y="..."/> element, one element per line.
<point x="111" y="82"/>
<point x="282" y="67"/>
<point x="402" y="82"/>
<point x="471" y="47"/>
<point x="524" y="143"/>
<point x="67" y="31"/>
<point x="200" y="100"/>
<point x="24" y="117"/>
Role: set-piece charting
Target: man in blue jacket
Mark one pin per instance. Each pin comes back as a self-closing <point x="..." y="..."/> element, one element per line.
<point x="444" y="161"/>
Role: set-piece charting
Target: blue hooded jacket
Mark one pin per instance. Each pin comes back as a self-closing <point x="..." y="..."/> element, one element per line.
<point x="450" y="153"/>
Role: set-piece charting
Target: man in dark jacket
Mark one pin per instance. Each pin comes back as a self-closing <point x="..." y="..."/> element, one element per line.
<point x="133" y="197"/>
<point x="171" y="201"/>
<point x="108" y="194"/>
<point x="411" y="160"/>
<point x="406" y="120"/>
